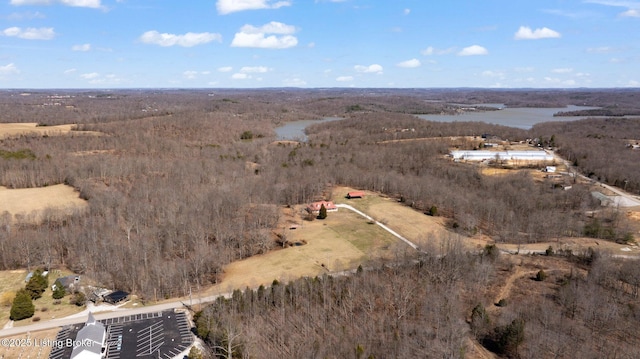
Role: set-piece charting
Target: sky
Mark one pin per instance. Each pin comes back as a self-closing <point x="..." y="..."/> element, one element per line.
<point x="319" y="43"/>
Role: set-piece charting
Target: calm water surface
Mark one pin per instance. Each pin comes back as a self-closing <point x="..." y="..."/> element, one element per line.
<point x="519" y="117"/>
<point x="294" y="131"/>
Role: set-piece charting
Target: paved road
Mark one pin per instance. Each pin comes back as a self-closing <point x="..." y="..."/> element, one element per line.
<point x="117" y="312"/>
<point x="628" y="200"/>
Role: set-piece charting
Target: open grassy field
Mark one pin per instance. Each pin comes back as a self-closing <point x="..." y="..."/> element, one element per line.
<point x="29" y="204"/>
<point x="8" y="130"/>
<point x="423" y="230"/>
<point x="341" y="241"/>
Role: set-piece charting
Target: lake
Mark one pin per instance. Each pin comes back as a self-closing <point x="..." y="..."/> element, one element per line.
<point x="294" y="131"/>
<point x="519" y="117"/>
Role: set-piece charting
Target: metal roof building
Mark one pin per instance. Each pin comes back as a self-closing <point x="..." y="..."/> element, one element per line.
<point x="502" y="155"/>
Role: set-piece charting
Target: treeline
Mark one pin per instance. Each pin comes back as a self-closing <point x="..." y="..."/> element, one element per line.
<point x="428" y="307"/>
<point x="599" y="148"/>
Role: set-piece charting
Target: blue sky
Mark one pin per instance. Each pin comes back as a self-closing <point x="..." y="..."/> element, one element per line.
<point x="319" y="43"/>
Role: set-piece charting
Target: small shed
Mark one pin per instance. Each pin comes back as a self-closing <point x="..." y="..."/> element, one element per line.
<point x="116" y="297"/>
<point x="355" y="194"/>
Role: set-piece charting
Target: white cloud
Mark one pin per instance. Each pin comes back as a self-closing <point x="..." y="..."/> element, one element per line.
<point x="70" y="71"/>
<point x="9" y="69"/>
<point x="95" y="78"/>
<point x="187" y="40"/>
<point x="633" y="7"/>
<point x="409" y="63"/>
<point x="559" y="82"/>
<point x="251" y="36"/>
<point x="254" y="69"/>
<point x="473" y="50"/>
<point x="525" y="33"/>
<point x="562" y="70"/>
<point x="82" y="3"/>
<point x="95" y="4"/>
<point x="344" y="78"/>
<point x="375" y="68"/>
<point x="294" y="82"/>
<point x="90" y="76"/>
<point x="240" y="76"/>
<point x="225" y="69"/>
<point x="26" y="16"/>
<point x="407" y="11"/>
<point x="189" y="74"/>
<point x="494" y="74"/>
<point x="30" y="33"/>
<point x="633" y="83"/>
<point x="83" y="47"/>
<point x="631" y="13"/>
<point x="228" y="6"/>
<point x="433" y="51"/>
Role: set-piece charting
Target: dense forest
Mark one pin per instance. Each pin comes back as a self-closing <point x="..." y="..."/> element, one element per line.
<point x="181" y="183"/>
<point x="429" y="307"/>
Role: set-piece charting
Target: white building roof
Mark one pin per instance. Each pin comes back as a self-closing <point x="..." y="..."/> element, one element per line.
<point x="502" y="155"/>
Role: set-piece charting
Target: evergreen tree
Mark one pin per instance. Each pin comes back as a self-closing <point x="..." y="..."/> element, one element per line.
<point x="323" y="212"/>
<point x="22" y="306"/>
<point x="37" y="284"/>
<point x="58" y="292"/>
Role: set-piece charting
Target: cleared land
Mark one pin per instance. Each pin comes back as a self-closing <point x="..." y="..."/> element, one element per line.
<point x="31" y="204"/>
<point x="341" y="241"/>
<point x="8" y="130"/>
<point x="426" y="231"/>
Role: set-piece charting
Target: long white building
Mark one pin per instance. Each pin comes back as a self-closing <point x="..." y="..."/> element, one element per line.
<point x="502" y="155"/>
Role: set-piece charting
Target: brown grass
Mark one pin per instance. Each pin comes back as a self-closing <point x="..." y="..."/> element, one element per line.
<point x="342" y="241"/>
<point x="30" y="204"/>
<point x="9" y="130"/>
<point x="421" y="229"/>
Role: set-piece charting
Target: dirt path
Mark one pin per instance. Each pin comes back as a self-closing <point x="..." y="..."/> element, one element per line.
<point x="508" y="285"/>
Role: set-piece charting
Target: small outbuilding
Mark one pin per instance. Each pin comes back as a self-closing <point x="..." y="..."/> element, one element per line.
<point x="116" y="297"/>
<point x="355" y="194"/>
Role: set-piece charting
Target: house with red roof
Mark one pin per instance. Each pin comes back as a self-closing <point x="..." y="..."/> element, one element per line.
<point x="355" y="194"/>
<point x="314" y="208"/>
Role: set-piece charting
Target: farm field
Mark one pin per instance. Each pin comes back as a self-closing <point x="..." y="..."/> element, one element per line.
<point x="342" y="241"/>
<point x="30" y="204"/>
<point x="10" y="130"/>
